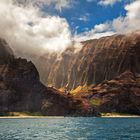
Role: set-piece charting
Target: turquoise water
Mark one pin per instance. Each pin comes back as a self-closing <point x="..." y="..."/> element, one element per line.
<point x="70" y="129"/>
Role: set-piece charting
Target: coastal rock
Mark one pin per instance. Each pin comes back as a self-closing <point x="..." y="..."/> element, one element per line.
<point x="104" y="74"/>
<point x="121" y="95"/>
<point x="22" y="91"/>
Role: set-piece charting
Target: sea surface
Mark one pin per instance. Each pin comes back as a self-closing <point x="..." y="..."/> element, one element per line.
<point x="70" y="129"/>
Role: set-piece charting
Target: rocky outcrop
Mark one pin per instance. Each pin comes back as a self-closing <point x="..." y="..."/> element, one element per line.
<point x="22" y="91"/>
<point x="121" y="94"/>
<point x="105" y="73"/>
<point x="99" y="60"/>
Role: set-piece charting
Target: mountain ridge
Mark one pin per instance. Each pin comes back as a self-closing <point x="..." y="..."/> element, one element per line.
<point x="22" y="91"/>
<point x="98" y="60"/>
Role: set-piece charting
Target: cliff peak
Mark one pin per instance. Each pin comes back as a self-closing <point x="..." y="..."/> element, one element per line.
<point x="22" y="91"/>
<point x="99" y="60"/>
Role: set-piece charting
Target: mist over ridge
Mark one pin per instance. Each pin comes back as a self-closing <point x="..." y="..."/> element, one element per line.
<point x="29" y="31"/>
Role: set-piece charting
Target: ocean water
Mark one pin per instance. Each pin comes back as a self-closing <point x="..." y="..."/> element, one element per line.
<point x="70" y="129"/>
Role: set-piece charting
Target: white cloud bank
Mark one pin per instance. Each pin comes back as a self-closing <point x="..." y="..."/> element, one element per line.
<point x="105" y="2"/>
<point x="108" y="2"/>
<point x="120" y="25"/>
<point x="97" y="32"/>
<point x="60" y="4"/>
<point x="57" y="4"/>
<point x="28" y="30"/>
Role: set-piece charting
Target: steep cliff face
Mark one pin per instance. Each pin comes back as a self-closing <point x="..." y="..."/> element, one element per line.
<point x="122" y="94"/>
<point x="99" y="60"/>
<point x="21" y="89"/>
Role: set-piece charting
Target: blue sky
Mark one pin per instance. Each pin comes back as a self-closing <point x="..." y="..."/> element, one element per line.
<point x="83" y="15"/>
<point x="88" y="14"/>
<point x="53" y="25"/>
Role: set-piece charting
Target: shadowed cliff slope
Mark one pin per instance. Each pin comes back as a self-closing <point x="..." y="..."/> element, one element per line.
<point x="22" y="91"/>
<point x="121" y="94"/>
<point x="99" y="60"/>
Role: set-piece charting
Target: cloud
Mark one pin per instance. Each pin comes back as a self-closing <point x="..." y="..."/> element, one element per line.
<point x="101" y="27"/>
<point x="29" y="31"/>
<point x="131" y="21"/>
<point x="57" y="4"/>
<point x="91" y="0"/>
<point x="97" y="32"/>
<point x="108" y="2"/>
<point x="120" y="25"/>
<point x="84" y="18"/>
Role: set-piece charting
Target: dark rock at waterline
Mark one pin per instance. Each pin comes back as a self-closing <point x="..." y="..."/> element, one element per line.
<point x="121" y="94"/>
